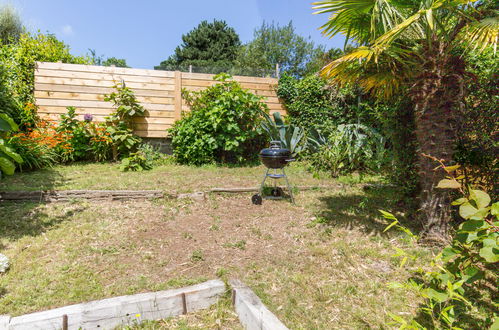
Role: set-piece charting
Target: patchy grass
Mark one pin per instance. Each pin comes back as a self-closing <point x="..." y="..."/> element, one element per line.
<point x="165" y="177"/>
<point x="324" y="261"/>
<point x="219" y="316"/>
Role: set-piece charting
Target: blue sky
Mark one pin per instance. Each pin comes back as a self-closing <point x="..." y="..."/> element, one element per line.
<point x="146" y="32"/>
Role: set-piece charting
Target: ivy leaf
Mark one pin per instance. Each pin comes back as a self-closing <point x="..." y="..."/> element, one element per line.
<point x="490" y="254"/>
<point x="494" y="210"/>
<point x="481" y="198"/>
<point x="466" y="210"/>
<point x="460" y="201"/>
<point x="450" y="169"/>
<point x="448" y="184"/>
<point x="448" y="253"/>
<point x="436" y="295"/>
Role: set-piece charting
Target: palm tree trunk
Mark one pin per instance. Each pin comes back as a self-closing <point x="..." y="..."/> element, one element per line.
<point x="438" y="98"/>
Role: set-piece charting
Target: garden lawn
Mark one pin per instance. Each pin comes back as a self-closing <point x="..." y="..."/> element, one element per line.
<point x="322" y="263"/>
<point x="169" y="177"/>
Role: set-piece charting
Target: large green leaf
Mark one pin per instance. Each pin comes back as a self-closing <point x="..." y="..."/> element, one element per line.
<point x="9" y="152"/>
<point x="7" y="124"/>
<point x="481" y="198"/>
<point x="7" y="166"/>
<point x="490" y="254"/>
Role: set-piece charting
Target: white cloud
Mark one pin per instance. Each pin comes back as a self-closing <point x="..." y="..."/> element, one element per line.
<point x="67" y="30"/>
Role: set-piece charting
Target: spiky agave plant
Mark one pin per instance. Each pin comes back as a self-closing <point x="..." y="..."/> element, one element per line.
<point x="415" y="47"/>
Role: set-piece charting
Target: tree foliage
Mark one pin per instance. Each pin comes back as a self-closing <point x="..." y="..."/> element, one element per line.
<point x="11" y="26"/>
<point x="273" y="44"/>
<point x="415" y="47"/>
<point x="210" y="44"/>
<point x="117" y="62"/>
<point x="18" y="60"/>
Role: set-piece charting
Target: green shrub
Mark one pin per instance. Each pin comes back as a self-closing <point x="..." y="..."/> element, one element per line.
<point x="136" y="161"/>
<point x="77" y="136"/>
<point x="222" y="124"/>
<point x="19" y="59"/>
<point x="312" y="103"/>
<point x="8" y="156"/>
<point x="351" y="147"/>
<point x="460" y="285"/>
<point x="120" y="122"/>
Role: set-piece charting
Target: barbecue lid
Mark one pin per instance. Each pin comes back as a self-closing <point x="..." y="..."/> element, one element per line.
<point x="275" y="150"/>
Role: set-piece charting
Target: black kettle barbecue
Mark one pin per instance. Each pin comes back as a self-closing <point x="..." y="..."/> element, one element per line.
<point x="274" y="158"/>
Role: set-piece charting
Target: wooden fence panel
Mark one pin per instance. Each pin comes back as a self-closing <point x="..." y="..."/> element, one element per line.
<point x="59" y="85"/>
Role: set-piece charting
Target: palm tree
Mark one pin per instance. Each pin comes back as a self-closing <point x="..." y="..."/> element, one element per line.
<point x="415" y="47"/>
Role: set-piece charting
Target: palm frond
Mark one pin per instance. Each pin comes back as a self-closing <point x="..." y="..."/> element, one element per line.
<point x="358" y="20"/>
<point x="481" y="34"/>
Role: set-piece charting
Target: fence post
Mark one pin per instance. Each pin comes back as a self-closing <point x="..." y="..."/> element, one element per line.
<point x="190" y="68"/>
<point x="178" y="95"/>
<point x="277" y="70"/>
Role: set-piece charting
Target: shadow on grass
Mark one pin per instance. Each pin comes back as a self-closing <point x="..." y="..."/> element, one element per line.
<point x="43" y="179"/>
<point x="29" y="219"/>
<point x="361" y="210"/>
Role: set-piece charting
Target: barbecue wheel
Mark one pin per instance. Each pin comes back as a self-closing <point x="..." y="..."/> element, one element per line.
<point x="277" y="192"/>
<point x="256" y="199"/>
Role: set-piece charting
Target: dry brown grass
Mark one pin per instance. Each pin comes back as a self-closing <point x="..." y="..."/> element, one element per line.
<point x="323" y="263"/>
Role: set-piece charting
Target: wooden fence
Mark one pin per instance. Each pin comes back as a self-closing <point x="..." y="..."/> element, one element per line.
<point x="59" y="85"/>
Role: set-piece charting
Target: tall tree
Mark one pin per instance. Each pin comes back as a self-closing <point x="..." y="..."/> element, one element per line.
<point x="11" y="26"/>
<point x="273" y="44"/>
<point x="117" y="62"/>
<point x="209" y="45"/>
<point x="415" y="46"/>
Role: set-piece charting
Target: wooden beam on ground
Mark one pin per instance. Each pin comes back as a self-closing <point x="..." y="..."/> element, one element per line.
<point x="124" y="310"/>
<point x="69" y="195"/>
<point x="252" y="189"/>
<point x="252" y="313"/>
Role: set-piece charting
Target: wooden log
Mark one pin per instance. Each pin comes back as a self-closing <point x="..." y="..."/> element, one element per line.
<point x="252" y="189"/>
<point x="252" y="313"/>
<point x="68" y="195"/>
<point x="113" y="312"/>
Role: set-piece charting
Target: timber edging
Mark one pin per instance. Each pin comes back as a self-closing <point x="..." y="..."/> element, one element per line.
<point x="120" y="195"/>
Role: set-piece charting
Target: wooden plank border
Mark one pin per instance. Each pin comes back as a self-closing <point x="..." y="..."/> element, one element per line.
<point x="113" y="312"/>
<point x="252" y="313"/>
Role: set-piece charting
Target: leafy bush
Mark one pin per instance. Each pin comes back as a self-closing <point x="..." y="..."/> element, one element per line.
<point x="19" y="59"/>
<point x="8" y="156"/>
<point x="120" y="122"/>
<point x="77" y="136"/>
<point x="137" y="161"/>
<point x="221" y="125"/>
<point x="312" y="103"/>
<point x="461" y="283"/>
<point x="39" y="147"/>
<point x="291" y="137"/>
<point x="351" y="147"/>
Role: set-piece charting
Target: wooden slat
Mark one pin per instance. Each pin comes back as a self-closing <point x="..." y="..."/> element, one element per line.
<point x="100" y="83"/>
<point x="97" y="97"/>
<point x="102" y="118"/>
<point x="98" y="90"/>
<point x="252" y="313"/>
<point x="95" y="104"/>
<point x="104" y="69"/>
<point x="178" y="95"/>
<point x="207" y="76"/>
<point x="99" y="111"/>
<point x="119" y="311"/>
<point x="152" y="134"/>
<point x="207" y="83"/>
<point x="103" y="76"/>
